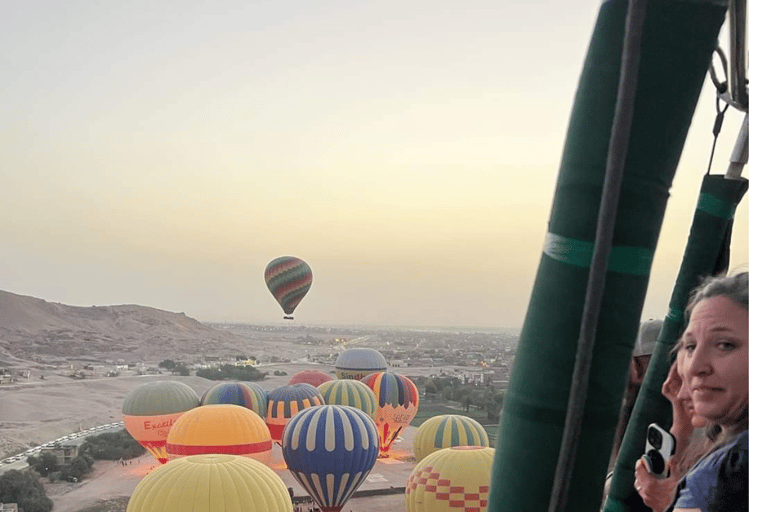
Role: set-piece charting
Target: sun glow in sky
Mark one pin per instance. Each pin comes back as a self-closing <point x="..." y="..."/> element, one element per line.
<point x="163" y="153"/>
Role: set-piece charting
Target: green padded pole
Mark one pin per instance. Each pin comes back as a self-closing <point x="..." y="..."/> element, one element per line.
<point x="708" y="240"/>
<point x="678" y="41"/>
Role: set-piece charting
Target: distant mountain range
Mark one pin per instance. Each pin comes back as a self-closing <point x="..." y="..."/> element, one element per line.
<point x="33" y="329"/>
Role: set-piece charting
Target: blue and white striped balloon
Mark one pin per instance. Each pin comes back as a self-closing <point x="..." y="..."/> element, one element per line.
<point x="330" y="449"/>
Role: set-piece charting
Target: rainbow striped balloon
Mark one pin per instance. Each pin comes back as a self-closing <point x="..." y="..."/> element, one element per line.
<point x="285" y="402"/>
<point x="288" y="279"/>
<point x="350" y="392"/>
<point x="445" y="431"/>
<point x="398" y="400"/>
<point x="245" y="394"/>
<point x="330" y="450"/>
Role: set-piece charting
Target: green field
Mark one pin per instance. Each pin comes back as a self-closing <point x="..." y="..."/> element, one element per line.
<point x="431" y="408"/>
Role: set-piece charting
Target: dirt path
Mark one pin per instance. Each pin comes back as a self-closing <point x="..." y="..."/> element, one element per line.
<point x="108" y="480"/>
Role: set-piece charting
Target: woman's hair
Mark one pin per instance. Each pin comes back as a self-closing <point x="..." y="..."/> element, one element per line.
<point x="735" y="287"/>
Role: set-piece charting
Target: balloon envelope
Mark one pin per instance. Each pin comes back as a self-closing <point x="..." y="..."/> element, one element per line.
<point x="311" y="377"/>
<point x="356" y="363"/>
<point x="445" y="431"/>
<point x="330" y="450"/>
<point x="248" y="395"/>
<point x="288" y="279"/>
<point x="398" y="401"/>
<point x="211" y="483"/>
<point x="350" y="392"/>
<point x="447" y="477"/>
<point x="150" y="410"/>
<point x="220" y="428"/>
<point x="285" y="402"/>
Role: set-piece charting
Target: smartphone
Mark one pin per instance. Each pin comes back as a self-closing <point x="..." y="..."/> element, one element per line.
<point x="659" y="447"/>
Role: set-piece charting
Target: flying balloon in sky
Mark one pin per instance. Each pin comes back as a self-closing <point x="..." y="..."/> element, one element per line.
<point x="330" y="449"/>
<point x="288" y="279"/>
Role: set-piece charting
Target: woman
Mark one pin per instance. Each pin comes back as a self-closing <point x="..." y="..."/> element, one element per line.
<point x="713" y="366"/>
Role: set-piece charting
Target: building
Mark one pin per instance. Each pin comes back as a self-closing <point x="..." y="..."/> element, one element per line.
<point x="64" y="453"/>
<point x="9" y="507"/>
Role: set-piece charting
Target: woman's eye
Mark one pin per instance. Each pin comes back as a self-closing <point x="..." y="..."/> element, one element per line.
<point x="688" y="347"/>
<point x="725" y="345"/>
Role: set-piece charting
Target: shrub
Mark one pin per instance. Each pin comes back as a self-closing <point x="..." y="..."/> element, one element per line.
<point x="26" y="490"/>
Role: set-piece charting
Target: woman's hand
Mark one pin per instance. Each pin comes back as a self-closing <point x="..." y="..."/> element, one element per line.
<point x="683" y="414"/>
<point x="657" y="493"/>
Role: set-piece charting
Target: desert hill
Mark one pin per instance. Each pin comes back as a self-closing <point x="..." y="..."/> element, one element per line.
<point x="34" y="329"/>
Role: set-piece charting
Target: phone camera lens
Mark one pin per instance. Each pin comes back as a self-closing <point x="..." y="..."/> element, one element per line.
<point x="657" y="462"/>
<point x="654" y="437"/>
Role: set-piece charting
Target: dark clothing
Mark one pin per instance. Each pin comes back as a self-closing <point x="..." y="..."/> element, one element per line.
<point x="719" y="481"/>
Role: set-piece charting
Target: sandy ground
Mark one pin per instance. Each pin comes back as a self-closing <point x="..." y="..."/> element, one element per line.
<point x="33" y="412"/>
<point x="112" y="480"/>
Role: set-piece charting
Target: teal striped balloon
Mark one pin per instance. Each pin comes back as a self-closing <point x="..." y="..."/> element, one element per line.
<point x="349" y="392"/>
<point x="445" y="431"/>
<point x="288" y="279"/>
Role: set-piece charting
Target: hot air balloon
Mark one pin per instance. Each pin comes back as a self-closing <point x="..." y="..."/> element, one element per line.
<point x="220" y="428"/>
<point x="356" y="363"/>
<point x="350" y="392"/>
<point x="330" y="450"/>
<point x="447" y="477"/>
<point x="311" y="377"/>
<point x="211" y="483"/>
<point x="150" y="410"/>
<point x="246" y="394"/>
<point x="285" y="402"/>
<point x="445" y="431"/>
<point x="288" y="279"/>
<point x="398" y="401"/>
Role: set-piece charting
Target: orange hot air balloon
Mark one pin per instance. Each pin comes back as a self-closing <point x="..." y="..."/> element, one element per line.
<point x="220" y="428"/>
<point x="311" y="377"/>
<point x="150" y="410"/>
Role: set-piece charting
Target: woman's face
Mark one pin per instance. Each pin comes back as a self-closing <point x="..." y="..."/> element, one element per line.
<point x="714" y="363"/>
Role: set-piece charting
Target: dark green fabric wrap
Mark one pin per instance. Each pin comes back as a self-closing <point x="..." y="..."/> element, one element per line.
<point x="709" y="238"/>
<point x="678" y="41"/>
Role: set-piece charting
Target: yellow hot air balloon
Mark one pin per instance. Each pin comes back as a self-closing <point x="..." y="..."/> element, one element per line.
<point x="456" y="478"/>
<point x="211" y="483"/>
<point x="445" y="431"/>
<point x="150" y="410"/>
<point x="350" y="392"/>
<point x="220" y="428"/>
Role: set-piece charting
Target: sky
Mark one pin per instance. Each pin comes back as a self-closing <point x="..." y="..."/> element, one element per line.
<point x="162" y="153"/>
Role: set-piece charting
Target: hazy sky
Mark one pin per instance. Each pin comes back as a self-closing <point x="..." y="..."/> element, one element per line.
<point x="162" y="153"/>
